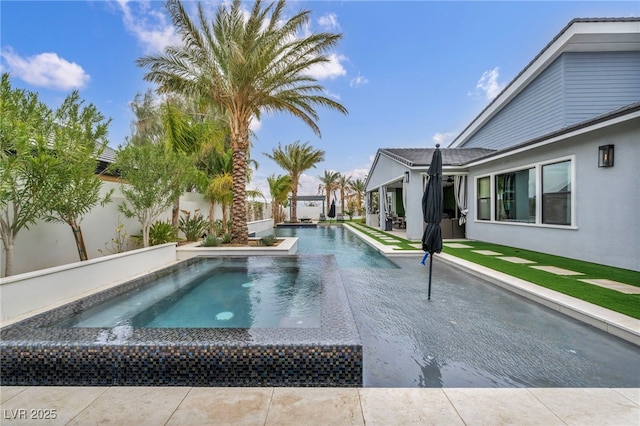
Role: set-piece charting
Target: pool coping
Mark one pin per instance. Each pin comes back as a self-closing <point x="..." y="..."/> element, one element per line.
<point x="617" y="324"/>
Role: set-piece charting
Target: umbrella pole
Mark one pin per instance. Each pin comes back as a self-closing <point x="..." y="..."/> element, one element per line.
<point x="430" y="269"/>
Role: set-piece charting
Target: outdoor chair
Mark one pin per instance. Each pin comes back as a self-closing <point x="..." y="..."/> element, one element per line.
<point x="340" y="217"/>
<point x="322" y="218"/>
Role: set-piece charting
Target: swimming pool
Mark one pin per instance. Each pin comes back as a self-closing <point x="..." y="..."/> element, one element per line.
<point x="301" y="345"/>
<point x="471" y="334"/>
<point x="377" y="327"/>
<point x="252" y="292"/>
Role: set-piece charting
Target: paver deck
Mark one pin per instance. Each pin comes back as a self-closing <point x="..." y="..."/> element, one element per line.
<point x="318" y="406"/>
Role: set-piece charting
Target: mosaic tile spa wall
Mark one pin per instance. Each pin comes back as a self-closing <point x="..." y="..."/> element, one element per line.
<point x="36" y="352"/>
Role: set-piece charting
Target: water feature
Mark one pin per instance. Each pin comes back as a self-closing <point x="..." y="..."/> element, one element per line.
<point x="471" y="334"/>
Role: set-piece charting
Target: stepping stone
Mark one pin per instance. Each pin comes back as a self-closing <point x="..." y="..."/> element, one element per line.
<point x="456" y="245"/>
<point x="557" y="271"/>
<point x="418" y="246"/>
<point x="487" y="252"/>
<point x="515" y="259"/>
<point x="614" y="285"/>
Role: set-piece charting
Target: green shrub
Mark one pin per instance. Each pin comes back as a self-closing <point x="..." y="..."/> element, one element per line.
<point x="268" y="240"/>
<point x="193" y="227"/>
<point x="218" y="227"/>
<point x="210" y="241"/>
<point x="162" y="232"/>
<point x="226" y="238"/>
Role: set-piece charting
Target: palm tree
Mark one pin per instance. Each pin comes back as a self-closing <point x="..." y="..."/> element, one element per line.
<point x="343" y="185"/>
<point x="245" y="64"/>
<point x="328" y="184"/>
<point x="295" y="158"/>
<point x="358" y="187"/>
<point x="279" y="187"/>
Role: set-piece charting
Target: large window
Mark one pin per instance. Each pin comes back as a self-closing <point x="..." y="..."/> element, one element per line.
<point x="556" y="193"/>
<point x="516" y="196"/>
<point x="538" y="194"/>
<point x="484" y="198"/>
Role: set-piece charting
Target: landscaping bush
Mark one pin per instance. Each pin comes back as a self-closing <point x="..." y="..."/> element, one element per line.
<point x="193" y="227"/>
<point x="162" y="232"/>
<point x="211" y="241"/>
<point x="268" y="240"/>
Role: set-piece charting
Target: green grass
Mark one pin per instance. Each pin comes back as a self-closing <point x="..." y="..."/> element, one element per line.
<point x="627" y="304"/>
<point x="401" y="243"/>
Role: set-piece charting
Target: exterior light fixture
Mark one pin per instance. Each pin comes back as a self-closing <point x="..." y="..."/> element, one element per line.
<point x="605" y="156"/>
<point x="406" y="177"/>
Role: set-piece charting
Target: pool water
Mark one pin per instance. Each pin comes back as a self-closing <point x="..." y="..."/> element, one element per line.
<point x="253" y="292"/>
<point x="470" y="334"/>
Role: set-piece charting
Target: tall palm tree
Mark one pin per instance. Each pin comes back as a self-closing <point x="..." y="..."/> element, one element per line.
<point x="295" y="158"/>
<point x="343" y="185"/>
<point x="279" y="187"/>
<point x="358" y="187"/>
<point x="328" y="184"/>
<point x="246" y="64"/>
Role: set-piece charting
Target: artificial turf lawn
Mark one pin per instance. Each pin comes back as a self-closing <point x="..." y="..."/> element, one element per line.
<point x="628" y="304"/>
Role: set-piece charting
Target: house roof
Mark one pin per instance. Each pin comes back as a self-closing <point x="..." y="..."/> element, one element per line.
<point x="421" y="157"/>
<point x="579" y="35"/>
<point x="108" y="155"/>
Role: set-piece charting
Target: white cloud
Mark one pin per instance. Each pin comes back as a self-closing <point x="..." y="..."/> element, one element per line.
<point x="329" y="22"/>
<point x="255" y="124"/>
<point x="443" y="138"/>
<point x="150" y="26"/>
<point x="489" y="84"/>
<point x="328" y="70"/>
<point x="46" y="70"/>
<point x="308" y="185"/>
<point x="358" y="81"/>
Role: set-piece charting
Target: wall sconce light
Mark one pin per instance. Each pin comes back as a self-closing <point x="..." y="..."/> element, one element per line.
<point x="406" y="177"/>
<point x="605" y="156"/>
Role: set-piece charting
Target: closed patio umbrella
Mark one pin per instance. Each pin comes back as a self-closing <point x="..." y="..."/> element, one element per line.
<point x="332" y="209"/>
<point x="432" y="211"/>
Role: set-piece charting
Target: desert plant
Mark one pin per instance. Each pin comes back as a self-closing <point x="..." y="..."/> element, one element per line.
<point x="226" y="238"/>
<point x="218" y="227"/>
<point x="210" y="241"/>
<point x="268" y="240"/>
<point x="193" y="227"/>
<point x="121" y="242"/>
<point x="162" y="232"/>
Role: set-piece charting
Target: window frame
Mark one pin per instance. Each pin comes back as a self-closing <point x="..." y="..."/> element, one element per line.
<point x="538" y="166"/>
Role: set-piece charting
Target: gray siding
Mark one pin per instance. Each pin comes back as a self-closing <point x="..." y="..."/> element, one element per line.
<point x="535" y="111"/>
<point x="576" y="87"/>
<point x="595" y="84"/>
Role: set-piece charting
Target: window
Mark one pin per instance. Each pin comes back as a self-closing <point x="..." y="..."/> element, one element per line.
<point x="539" y="194"/>
<point x="484" y="198"/>
<point x="556" y="193"/>
<point x="516" y="196"/>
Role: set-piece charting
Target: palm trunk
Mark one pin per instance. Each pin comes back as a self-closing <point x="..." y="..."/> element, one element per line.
<point x="239" y="228"/>
<point x="77" y="235"/>
<point x="294" y="200"/>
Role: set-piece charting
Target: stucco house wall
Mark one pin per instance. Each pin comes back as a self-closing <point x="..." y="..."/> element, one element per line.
<point x="607" y="200"/>
<point x="387" y="171"/>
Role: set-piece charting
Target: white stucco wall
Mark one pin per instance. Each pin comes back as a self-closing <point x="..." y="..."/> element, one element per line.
<point x="386" y="171"/>
<point x="607" y="207"/>
<point x="45" y="245"/>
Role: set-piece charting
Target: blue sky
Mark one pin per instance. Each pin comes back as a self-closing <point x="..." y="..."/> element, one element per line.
<point x="410" y="73"/>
